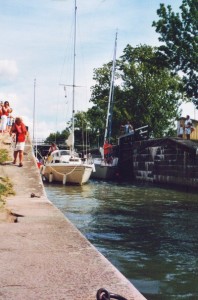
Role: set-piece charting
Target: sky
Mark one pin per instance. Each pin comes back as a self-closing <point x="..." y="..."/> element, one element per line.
<point x="36" y="53"/>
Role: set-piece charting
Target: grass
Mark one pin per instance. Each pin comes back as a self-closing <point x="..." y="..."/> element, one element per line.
<point x="4" y="156"/>
<point x="6" y="189"/>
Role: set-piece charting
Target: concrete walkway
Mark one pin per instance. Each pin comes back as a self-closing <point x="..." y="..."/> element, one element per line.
<point x="42" y="255"/>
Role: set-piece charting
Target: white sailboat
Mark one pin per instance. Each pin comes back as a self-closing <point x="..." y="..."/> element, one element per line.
<point x="106" y="169"/>
<point x="65" y="165"/>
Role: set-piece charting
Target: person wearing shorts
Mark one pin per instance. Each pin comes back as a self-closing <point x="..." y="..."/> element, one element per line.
<point x="5" y="110"/>
<point x="20" y="131"/>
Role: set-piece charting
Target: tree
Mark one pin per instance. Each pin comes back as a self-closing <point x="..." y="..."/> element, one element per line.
<point x="150" y="92"/>
<point x="97" y="114"/>
<point x="179" y="34"/>
<point x="147" y="94"/>
<point x="82" y="127"/>
<point x="58" y="138"/>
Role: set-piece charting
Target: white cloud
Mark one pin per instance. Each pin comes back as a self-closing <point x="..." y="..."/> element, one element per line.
<point x="8" y="69"/>
<point x="189" y="109"/>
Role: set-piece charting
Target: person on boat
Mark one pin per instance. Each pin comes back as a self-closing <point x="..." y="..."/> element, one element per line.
<point x="52" y="148"/>
<point x="128" y="128"/>
<point x="20" y="131"/>
<point x="107" y="151"/>
<point x="188" y="124"/>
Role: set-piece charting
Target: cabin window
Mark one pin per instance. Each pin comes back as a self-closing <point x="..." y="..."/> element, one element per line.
<point x="64" y="152"/>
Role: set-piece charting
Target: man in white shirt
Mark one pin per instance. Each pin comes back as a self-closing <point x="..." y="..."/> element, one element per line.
<point x="128" y="128"/>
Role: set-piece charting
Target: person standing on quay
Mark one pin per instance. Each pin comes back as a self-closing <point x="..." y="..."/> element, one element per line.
<point x="1" y="112"/>
<point x="20" y="131"/>
<point x="4" y="116"/>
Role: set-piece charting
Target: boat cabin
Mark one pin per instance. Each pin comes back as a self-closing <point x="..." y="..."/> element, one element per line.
<point x="63" y="156"/>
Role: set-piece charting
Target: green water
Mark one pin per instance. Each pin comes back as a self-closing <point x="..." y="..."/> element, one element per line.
<point x="149" y="234"/>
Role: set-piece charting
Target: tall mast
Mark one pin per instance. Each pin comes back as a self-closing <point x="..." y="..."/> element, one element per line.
<point x="74" y="74"/>
<point x="111" y="95"/>
<point x="33" y="135"/>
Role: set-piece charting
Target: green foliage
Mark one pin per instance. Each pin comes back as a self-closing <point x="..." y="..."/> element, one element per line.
<point x="84" y="132"/>
<point x="150" y="92"/>
<point x="82" y="129"/>
<point x="99" y="97"/>
<point x="179" y="35"/>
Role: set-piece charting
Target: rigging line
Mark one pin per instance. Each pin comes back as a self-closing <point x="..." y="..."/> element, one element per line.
<point x="57" y="114"/>
<point x="82" y="66"/>
<point x="58" y="105"/>
<point x="68" y="54"/>
<point x="68" y="49"/>
<point x="92" y="25"/>
<point x="68" y="40"/>
<point x="66" y="59"/>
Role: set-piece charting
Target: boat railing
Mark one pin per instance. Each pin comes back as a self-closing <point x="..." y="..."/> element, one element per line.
<point x="140" y="130"/>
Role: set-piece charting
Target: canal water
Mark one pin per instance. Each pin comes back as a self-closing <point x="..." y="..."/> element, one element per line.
<point x="149" y="233"/>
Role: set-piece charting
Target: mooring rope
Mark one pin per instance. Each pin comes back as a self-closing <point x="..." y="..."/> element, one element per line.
<point x="60" y="172"/>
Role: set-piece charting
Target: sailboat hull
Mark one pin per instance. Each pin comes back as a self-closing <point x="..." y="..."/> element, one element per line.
<point x="67" y="174"/>
<point x="106" y="167"/>
<point x="105" y="171"/>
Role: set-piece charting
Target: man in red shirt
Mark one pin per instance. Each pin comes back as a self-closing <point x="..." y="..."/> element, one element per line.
<point x="107" y="150"/>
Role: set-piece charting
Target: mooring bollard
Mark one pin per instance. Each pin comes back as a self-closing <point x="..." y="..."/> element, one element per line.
<point x="50" y="177"/>
<point x="64" y="179"/>
<point x="42" y="170"/>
